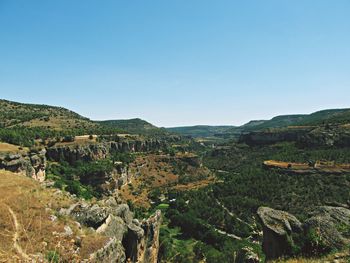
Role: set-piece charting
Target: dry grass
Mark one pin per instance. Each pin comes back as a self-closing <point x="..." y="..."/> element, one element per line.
<point x="194" y="185"/>
<point x="157" y="171"/>
<point x="10" y="148"/>
<point x="32" y="206"/>
<point x="321" y="166"/>
<point x="284" y="165"/>
<point x="79" y="140"/>
<point x="92" y="243"/>
<point x="59" y="123"/>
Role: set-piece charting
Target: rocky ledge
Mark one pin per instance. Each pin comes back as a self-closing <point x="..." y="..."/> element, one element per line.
<point x="31" y="163"/>
<point x="131" y="240"/>
<point x="96" y="151"/>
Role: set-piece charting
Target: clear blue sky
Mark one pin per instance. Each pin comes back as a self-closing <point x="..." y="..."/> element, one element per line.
<point x="177" y="62"/>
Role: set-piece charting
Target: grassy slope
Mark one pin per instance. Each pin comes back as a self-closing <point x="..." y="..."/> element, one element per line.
<point x="25" y="202"/>
<point x="14" y="114"/>
<point x="34" y="115"/>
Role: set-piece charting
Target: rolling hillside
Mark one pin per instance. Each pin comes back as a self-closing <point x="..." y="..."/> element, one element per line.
<point x="331" y="116"/>
<point x="22" y="124"/>
<point x="34" y="115"/>
<point x="133" y="126"/>
<point x="15" y="114"/>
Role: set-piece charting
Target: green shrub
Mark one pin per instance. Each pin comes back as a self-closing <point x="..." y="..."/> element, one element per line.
<point x="53" y="256"/>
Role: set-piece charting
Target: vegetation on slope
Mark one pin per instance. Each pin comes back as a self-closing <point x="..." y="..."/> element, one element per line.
<point x="35" y="115"/>
<point x="332" y="116"/>
<point x="200" y="130"/>
<point x="230" y="204"/>
<point x="23" y="124"/>
<point x="134" y="126"/>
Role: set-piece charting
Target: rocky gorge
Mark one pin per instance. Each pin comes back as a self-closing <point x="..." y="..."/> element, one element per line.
<point x="95" y="151"/>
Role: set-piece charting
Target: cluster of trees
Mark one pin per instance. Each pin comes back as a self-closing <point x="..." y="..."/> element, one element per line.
<point x="245" y="185"/>
<point x="25" y="136"/>
<point x="78" y="178"/>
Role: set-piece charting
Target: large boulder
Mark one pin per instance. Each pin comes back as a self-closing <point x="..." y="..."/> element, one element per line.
<point x="87" y="214"/>
<point x="328" y="228"/>
<point x="278" y="227"/>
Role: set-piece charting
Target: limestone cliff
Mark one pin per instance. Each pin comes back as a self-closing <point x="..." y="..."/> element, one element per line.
<point x="313" y="136"/>
<point x="31" y="163"/>
<point x="96" y="151"/>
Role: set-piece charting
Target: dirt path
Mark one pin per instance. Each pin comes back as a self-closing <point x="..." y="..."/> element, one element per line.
<point x="16" y="236"/>
<point x="227" y="234"/>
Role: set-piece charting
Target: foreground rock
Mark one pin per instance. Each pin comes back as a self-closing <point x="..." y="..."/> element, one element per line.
<point x="278" y="227"/>
<point x="327" y="229"/>
<point x="130" y="239"/>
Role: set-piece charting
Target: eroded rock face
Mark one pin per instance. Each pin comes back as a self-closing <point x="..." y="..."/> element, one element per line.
<point x="278" y="227"/>
<point x="327" y="136"/>
<point x="31" y="164"/>
<point x="96" y="151"/>
<point x="271" y="137"/>
<point x="151" y="227"/>
<point x="112" y="252"/>
<point x="130" y="239"/>
<point x="330" y="227"/>
<point x="333" y="135"/>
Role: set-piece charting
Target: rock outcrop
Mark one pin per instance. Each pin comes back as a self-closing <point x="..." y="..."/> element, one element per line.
<point x="248" y="255"/>
<point x="129" y="239"/>
<point x="31" y="164"/>
<point x="96" y="151"/>
<point x="329" y="228"/>
<point x="112" y="252"/>
<point x="278" y="227"/>
<point x="325" y="230"/>
<point x="271" y="137"/>
<point x="312" y="136"/>
<point x="327" y="136"/>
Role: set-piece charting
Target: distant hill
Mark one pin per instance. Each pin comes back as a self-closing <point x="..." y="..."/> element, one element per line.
<point x="134" y="126"/>
<point x="43" y="116"/>
<point x="332" y="116"/>
<point x="201" y="130"/>
<point x="23" y="123"/>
